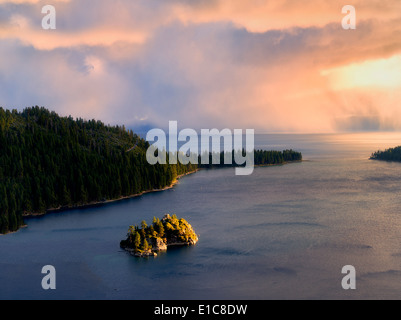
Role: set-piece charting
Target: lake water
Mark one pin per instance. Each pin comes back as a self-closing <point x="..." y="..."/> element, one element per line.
<point x="284" y="232"/>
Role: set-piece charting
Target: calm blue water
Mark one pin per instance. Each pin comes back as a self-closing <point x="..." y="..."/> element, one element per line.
<point x="283" y="233"/>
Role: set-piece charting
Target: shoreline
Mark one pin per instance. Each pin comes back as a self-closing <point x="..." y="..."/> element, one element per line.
<point x="11" y="232"/>
<point x="101" y="203"/>
<point x="279" y="164"/>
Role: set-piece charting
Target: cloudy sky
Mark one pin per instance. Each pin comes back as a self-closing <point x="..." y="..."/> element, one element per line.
<point x="273" y="66"/>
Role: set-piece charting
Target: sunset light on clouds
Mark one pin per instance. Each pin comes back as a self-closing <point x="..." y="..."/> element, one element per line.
<point x="276" y="66"/>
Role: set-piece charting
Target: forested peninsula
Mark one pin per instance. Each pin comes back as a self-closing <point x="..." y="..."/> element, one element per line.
<point x="51" y="162"/>
<point x="391" y="154"/>
<point x="48" y="162"/>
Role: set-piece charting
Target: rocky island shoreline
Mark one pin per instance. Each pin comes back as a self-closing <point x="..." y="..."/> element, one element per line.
<point x="147" y="241"/>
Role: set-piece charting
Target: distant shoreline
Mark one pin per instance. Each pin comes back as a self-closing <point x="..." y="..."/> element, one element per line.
<point x="385" y="160"/>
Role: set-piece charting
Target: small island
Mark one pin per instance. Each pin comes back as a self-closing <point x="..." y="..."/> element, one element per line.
<point x="146" y="241"/>
<point x="392" y="154"/>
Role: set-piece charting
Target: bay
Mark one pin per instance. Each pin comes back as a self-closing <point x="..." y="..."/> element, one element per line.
<point x="284" y="232"/>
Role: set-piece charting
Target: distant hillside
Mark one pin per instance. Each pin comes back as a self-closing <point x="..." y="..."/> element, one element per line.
<point x="48" y="161"/>
<point x="147" y="240"/>
<point x="392" y="154"/>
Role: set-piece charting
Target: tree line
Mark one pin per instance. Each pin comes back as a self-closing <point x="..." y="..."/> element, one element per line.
<point x="170" y="230"/>
<point x="391" y="154"/>
<point x="48" y="161"/>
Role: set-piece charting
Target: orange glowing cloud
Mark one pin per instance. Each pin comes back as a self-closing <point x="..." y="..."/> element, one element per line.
<point x="55" y="39"/>
<point x="273" y="66"/>
<point x="373" y="73"/>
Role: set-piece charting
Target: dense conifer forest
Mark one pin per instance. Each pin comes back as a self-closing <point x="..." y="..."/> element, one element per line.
<point x="52" y="162"/>
<point x="146" y="240"/>
<point x="392" y="154"/>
